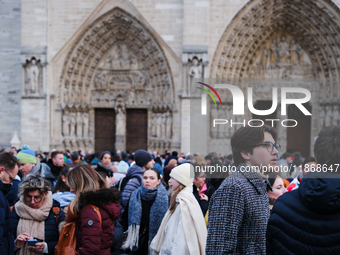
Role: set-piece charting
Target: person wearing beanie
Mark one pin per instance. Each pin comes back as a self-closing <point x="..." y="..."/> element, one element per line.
<point x="183" y="229"/>
<point x="174" y="155"/>
<point x="28" y="164"/>
<point x="123" y="166"/>
<point x="135" y="173"/>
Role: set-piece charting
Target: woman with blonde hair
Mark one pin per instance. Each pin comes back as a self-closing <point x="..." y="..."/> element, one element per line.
<point x="183" y="229"/>
<point x="91" y="190"/>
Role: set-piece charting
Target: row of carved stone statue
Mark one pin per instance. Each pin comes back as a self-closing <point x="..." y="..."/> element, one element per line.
<point x="77" y="144"/>
<point x="158" y="145"/>
<point x="75" y="124"/>
<point x="161" y="125"/>
<point x="329" y="115"/>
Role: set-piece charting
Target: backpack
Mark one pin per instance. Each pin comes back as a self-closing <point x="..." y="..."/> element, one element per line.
<point x="67" y="243"/>
<point x="122" y="182"/>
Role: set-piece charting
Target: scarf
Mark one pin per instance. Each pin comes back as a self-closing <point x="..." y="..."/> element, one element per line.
<point x="193" y="224"/>
<point x="157" y="211"/>
<point x="32" y="221"/>
<point x="204" y="188"/>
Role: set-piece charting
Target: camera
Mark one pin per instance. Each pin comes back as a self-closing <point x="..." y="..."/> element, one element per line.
<point x="32" y="242"/>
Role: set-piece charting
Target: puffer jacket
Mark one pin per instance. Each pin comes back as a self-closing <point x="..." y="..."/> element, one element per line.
<point x="6" y="224"/>
<point x="51" y="227"/>
<point x="93" y="238"/>
<point x="307" y="220"/>
<point x="132" y="184"/>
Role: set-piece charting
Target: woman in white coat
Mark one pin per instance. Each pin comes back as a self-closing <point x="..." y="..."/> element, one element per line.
<point x="183" y="230"/>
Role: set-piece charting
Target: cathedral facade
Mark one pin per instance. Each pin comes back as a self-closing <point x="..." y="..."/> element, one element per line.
<point x="116" y="74"/>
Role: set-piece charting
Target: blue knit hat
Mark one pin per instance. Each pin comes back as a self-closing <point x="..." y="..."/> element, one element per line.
<point x="27" y="156"/>
<point x="25" y="147"/>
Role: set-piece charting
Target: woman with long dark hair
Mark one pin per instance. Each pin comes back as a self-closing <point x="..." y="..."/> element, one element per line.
<point x="146" y="209"/>
<point x="277" y="189"/>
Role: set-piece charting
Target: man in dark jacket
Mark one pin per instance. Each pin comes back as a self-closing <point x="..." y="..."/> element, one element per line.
<point x="56" y="163"/>
<point x="307" y="220"/>
<point x="239" y="209"/>
<point x="9" y="167"/>
<point x="143" y="161"/>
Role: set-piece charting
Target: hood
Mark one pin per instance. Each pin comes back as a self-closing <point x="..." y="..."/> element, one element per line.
<point x="102" y="167"/>
<point x="320" y="192"/>
<point x="64" y="198"/>
<point x="107" y="199"/>
<point x="54" y="169"/>
<point x="133" y="170"/>
<point x="42" y="168"/>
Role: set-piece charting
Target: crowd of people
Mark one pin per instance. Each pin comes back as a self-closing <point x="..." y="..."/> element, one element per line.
<point x="147" y="203"/>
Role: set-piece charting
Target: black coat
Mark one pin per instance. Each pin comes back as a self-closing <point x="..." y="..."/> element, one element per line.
<point x="307" y="220"/>
<point x="6" y="224"/>
<point x="12" y="195"/>
<point x="218" y="178"/>
<point x="51" y="227"/>
<point x="55" y="170"/>
<point x="145" y="220"/>
<point x="204" y="204"/>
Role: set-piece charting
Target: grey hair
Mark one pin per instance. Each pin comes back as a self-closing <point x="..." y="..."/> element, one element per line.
<point x="34" y="182"/>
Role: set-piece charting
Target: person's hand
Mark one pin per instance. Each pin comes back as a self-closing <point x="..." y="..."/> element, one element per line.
<point x="39" y="247"/>
<point x="112" y="180"/>
<point x="21" y="239"/>
<point x="204" y="197"/>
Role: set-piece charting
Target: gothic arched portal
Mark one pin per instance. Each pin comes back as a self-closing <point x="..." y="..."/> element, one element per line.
<point x="115" y="63"/>
<point x="286" y="39"/>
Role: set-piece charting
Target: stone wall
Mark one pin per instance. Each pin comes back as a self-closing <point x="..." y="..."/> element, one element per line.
<point x="10" y="70"/>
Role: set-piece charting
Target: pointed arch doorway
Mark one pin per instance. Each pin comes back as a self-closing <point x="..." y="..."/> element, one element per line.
<point x="116" y="64"/>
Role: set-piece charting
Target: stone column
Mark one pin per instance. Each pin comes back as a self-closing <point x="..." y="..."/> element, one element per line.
<point x="120" y="129"/>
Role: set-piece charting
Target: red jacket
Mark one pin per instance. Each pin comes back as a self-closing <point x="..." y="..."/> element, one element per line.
<point x="91" y="237"/>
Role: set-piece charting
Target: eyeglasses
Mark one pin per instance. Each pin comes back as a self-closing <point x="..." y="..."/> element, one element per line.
<point x="11" y="178"/>
<point x="36" y="199"/>
<point x="270" y="146"/>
